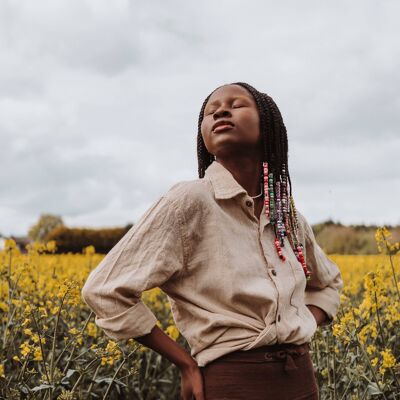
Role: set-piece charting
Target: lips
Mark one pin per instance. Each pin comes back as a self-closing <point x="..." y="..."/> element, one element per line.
<point x="222" y="125"/>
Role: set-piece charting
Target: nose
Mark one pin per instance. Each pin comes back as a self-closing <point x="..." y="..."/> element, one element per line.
<point x="221" y="113"/>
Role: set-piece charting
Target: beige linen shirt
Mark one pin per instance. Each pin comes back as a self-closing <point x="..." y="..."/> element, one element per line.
<point x="202" y="244"/>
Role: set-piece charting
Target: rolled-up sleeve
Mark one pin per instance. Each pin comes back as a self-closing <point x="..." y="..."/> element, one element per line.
<point x="324" y="288"/>
<point x="148" y="255"/>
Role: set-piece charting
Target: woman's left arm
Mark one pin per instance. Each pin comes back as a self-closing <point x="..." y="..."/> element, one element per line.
<point x="322" y="294"/>
<point x="321" y="317"/>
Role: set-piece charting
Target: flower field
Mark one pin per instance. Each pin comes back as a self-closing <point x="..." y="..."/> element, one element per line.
<point x="50" y="347"/>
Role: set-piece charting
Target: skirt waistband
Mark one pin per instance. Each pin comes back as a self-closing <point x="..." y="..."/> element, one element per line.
<point x="268" y="353"/>
<point x="272" y="348"/>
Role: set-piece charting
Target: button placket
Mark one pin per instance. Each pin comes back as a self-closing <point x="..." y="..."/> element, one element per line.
<point x="249" y="205"/>
<point x="272" y="271"/>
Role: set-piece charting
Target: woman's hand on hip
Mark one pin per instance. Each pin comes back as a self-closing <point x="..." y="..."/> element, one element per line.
<point x="192" y="385"/>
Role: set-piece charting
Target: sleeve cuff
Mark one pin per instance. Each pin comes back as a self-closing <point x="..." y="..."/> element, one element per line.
<point x="327" y="299"/>
<point x="136" y="321"/>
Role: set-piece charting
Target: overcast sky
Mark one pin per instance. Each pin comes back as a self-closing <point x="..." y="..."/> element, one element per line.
<point x="99" y="102"/>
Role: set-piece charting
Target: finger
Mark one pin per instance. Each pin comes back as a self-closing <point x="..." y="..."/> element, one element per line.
<point x="199" y="396"/>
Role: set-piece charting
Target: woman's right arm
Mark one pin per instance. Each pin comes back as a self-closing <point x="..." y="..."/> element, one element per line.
<point x="191" y="377"/>
<point x="151" y="252"/>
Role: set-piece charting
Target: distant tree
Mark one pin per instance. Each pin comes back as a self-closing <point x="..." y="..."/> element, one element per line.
<point x="45" y="224"/>
<point x="75" y="239"/>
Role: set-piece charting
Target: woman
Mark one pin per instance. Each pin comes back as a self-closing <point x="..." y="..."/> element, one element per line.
<point x="247" y="283"/>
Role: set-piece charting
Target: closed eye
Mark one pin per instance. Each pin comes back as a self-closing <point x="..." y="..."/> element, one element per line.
<point x="234" y="106"/>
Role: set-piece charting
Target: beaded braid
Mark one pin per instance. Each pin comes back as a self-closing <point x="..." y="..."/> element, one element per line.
<point x="276" y="183"/>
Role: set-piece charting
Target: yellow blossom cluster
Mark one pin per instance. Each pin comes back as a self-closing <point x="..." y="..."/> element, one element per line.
<point x="369" y="315"/>
<point x="46" y="290"/>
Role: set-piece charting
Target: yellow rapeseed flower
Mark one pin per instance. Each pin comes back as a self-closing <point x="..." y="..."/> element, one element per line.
<point x="389" y="360"/>
<point x="10" y="244"/>
<point x="104" y="360"/>
<point x="3" y="306"/>
<point x="338" y="330"/>
<point x="172" y="331"/>
<point x="51" y="246"/>
<point x="26" y="322"/>
<point x="25" y="348"/>
<point x="37" y="354"/>
<point x="113" y="353"/>
<point x="371" y="349"/>
<point x="73" y="331"/>
<point x="89" y="250"/>
<point x="91" y="329"/>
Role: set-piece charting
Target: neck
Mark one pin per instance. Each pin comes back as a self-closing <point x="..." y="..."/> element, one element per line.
<point x="246" y="171"/>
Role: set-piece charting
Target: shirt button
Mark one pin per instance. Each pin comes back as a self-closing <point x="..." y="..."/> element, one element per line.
<point x="273" y="272"/>
<point x="248" y="203"/>
<point x="279" y="317"/>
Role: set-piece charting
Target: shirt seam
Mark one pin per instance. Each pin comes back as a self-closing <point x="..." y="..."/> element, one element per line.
<point x="183" y="236"/>
<point x="177" y="214"/>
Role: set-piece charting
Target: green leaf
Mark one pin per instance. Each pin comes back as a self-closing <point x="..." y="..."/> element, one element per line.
<point x="43" y="386"/>
<point x="373" y="389"/>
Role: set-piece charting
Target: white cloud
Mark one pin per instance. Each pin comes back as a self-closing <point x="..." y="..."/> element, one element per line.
<point x="99" y="102"/>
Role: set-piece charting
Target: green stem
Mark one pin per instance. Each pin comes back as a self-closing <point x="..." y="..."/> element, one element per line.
<point x="371" y="367"/>
<point x="74" y="347"/>
<point x="53" y="345"/>
<point x="81" y="376"/>
<point x="9" y="303"/>
<point x="347" y="388"/>
<point x="41" y="347"/>
<point x="21" y="373"/>
<point x="394" y="274"/>
<point x="92" y="382"/>
<point x="379" y="319"/>
<point x="113" y="378"/>
<point x="334" y="367"/>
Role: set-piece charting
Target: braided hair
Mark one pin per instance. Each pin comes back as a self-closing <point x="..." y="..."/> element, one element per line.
<point x="278" y="199"/>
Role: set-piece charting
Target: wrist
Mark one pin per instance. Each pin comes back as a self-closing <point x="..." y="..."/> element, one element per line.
<point x="187" y="363"/>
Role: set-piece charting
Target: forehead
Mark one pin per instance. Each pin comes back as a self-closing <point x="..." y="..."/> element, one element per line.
<point x="229" y="91"/>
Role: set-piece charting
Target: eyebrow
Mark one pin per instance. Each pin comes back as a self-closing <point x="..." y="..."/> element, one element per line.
<point x="229" y="98"/>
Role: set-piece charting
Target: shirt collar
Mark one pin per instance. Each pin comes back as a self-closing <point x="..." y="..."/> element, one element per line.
<point x="224" y="184"/>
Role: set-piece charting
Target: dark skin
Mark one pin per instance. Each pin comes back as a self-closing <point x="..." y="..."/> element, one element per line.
<point x="238" y="150"/>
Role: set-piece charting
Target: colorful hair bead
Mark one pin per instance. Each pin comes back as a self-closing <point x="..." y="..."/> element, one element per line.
<point x="302" y="262"/>
<point x="266" y="196"/>
<point x="279" y="250"/>
<point x="271" y="197"/>
<point x="279" y="214"/>
<point x="281" y="210"/>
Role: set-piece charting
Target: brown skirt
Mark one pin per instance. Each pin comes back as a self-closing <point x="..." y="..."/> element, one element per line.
<point x="277" y="372"/>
